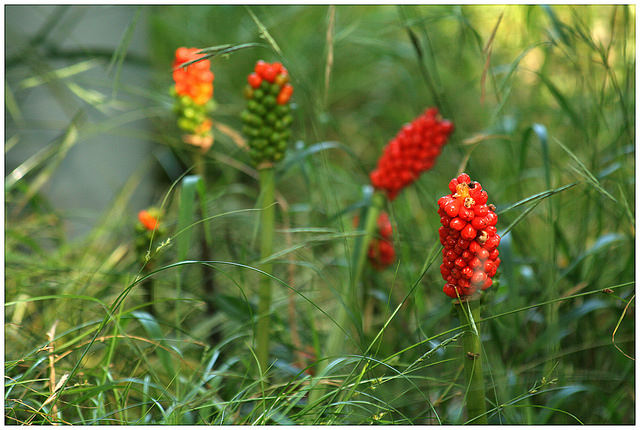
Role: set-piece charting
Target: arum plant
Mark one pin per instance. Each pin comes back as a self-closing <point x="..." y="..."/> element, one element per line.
<point x="470" y="261"/>
<point x="267" y="126"/>
<point x="193" y="94"/>
<point x="411" y="152"/>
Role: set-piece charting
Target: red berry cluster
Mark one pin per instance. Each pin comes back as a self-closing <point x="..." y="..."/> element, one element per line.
<point x="381" y="252"/>
<point x="413" y="150"/>
<point x="469" y="236"/>
<point x="272" y="73"/>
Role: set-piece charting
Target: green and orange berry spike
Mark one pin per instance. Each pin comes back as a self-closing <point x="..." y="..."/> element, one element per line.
<point x="193" y="92"/>
<point x="267" y="118"/>
<point x="470" y="257"/>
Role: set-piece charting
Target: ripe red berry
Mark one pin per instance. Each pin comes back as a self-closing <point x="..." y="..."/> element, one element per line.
<point x="457" y="224"/>
<point x="468" y="232"/>
<point x="254" y="80"/>
<point x="463" y="178"/>
<point x="453" y="208"/>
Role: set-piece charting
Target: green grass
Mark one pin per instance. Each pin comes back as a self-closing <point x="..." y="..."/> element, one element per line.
<point x="543" y="101"/>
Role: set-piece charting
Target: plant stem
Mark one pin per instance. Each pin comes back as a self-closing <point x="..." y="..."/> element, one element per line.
<point x="267" y="216"/>
<point x="371" y="222"/>
<point x="208" y="280"/>
<point x="469" y="312"/>
<point x="351" y="295"/>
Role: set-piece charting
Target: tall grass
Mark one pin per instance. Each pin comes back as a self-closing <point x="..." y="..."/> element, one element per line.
<point x="543" y="100"/>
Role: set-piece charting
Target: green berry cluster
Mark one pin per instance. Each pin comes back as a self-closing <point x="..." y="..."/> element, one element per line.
<point x="266" y="123"/>
<point x="192" y="117"/>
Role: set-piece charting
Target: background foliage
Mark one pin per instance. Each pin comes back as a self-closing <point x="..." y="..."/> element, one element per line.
<point x="543" y="100"/>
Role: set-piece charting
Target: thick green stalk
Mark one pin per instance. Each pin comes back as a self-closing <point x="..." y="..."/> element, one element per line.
<point x="351" y="295"/>
<point x="469" y="312"/>
<point x="267" y="218"/>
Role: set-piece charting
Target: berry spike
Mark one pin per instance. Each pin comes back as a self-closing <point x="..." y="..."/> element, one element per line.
<point x="470" y="239"/>
<point x="412" y="151"/>
<point x="193" y="91"/>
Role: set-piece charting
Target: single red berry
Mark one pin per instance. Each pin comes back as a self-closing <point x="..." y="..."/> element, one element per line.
<point x="457" y="224"/>
<point x="479" y="223"/>
<point x="449" y="290"/>
<point x="260" y="67"/>
<point x="453" y="184"/>
<point x="464" y="178"/>
<point x="492" y="218"/>
<point x="468" y="232"/>
<point x="453" y="208"/>
<point x="254" y="80"/>
<point x="269" y="73"/>
<point x="466" y="214"/>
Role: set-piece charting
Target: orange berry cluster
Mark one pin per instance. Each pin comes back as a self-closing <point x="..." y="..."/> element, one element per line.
<point x="381" y="252"/>
<point x="193" y="90"/>
<point x="267" y="118"/>
<point x="469" y="236"/>
<point x="195" y="80"/>
<point x="412" y="151"/>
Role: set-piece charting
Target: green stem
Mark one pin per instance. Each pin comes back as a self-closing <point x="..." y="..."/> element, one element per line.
<point x="469" y="312"/>
<point x="371" y="222"/>
<point x="208" y="281"/>
<point x="351" y="295"/>
<point x="267" y="216"/>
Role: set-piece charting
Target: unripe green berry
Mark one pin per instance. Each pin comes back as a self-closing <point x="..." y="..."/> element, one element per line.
<point x="261" y="110"/>
<point x="269" y="101"/>
<point x="282" y="110"/>
<point x="266" y="131"/>
<point x="258" y="94"/>
<point x="287" y="120"/>
<point x="271" y="118"/>
<point x="186" y="124"/>
<point x="260" y="143"/>
<point x="253" y="105"/>
<point x="269" y="152"/>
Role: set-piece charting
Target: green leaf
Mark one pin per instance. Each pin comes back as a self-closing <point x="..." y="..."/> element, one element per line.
<point x="186" y="214"/>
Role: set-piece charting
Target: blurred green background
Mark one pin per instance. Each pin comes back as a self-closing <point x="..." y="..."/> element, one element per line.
<point x="543" y="101"/>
